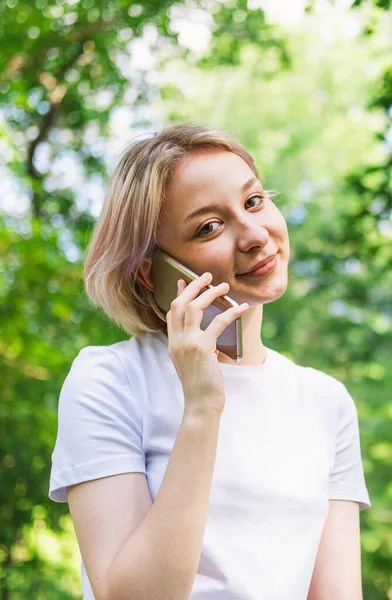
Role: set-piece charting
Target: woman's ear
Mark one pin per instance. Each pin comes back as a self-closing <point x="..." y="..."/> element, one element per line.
<point x="144" y="274"/>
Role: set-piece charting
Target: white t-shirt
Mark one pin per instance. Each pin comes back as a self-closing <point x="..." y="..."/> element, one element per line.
<point x="288" y="442"/>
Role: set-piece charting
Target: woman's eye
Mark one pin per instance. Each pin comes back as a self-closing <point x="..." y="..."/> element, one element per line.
<point x="203" y="234"/>
<point x="200" y="232"/>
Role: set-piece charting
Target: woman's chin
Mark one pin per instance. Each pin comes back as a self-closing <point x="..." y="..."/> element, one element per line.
<point x="269" y="293"/>
<point x="275" y="296"/>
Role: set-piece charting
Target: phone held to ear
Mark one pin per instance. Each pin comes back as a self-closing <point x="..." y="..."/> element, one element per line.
<point x="166" y="271"/>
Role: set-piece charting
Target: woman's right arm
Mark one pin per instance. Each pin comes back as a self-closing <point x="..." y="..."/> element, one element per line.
<point x="160" y="559"/>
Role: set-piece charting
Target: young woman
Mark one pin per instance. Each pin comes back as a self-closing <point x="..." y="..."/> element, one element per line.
<point x="187" y="475"/>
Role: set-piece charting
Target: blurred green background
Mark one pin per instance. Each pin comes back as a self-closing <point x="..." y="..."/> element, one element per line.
<point x="307" y="89"/>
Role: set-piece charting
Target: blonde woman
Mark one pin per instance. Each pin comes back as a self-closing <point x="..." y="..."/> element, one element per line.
<point x="188" y="475"/>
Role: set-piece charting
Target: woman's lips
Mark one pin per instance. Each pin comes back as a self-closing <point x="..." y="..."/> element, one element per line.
<point x="267" y="268"/>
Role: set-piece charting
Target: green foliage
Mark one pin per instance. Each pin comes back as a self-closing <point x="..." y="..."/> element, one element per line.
<point x="237" y="28"/>
<point x="384" y="4"/>
<point x="60" y="57"/>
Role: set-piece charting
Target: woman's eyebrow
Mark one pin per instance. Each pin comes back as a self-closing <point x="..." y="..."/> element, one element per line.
<point x="209" y="207"/>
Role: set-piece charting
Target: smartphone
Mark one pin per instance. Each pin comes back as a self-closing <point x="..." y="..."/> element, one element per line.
<point x="166" y="271"/>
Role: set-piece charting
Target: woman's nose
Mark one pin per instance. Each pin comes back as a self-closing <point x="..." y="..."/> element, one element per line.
<point x="253" y="235"/>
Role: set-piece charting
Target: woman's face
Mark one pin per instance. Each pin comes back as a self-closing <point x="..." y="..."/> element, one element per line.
<point x="240" y="228"/>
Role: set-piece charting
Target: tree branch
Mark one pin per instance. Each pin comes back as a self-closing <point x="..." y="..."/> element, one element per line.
<point x="47" y="123"/>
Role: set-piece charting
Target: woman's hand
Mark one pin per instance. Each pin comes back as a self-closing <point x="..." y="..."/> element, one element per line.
<point x="192" y="350"/>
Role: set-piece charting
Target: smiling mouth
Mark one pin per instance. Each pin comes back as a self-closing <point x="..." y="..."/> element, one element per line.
<point x="262" y="264"/>
<point x="265" y="269"/>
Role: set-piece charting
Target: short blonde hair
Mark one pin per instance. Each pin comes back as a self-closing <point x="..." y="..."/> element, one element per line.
<point x="126" y="230"/>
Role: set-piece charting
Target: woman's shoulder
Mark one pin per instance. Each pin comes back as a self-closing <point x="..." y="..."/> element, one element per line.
<point x="286" y="361"/>
<point x="108" y="377"/>
<point x="128" y="356"/>
<point x="110" y="354"/>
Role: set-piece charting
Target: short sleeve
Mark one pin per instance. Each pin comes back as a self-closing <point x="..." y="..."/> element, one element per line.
<point x="99" y="423"/>
<point x="347" y="479"/>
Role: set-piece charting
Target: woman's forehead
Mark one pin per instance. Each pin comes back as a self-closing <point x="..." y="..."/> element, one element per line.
<point x="210" y="168"/>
